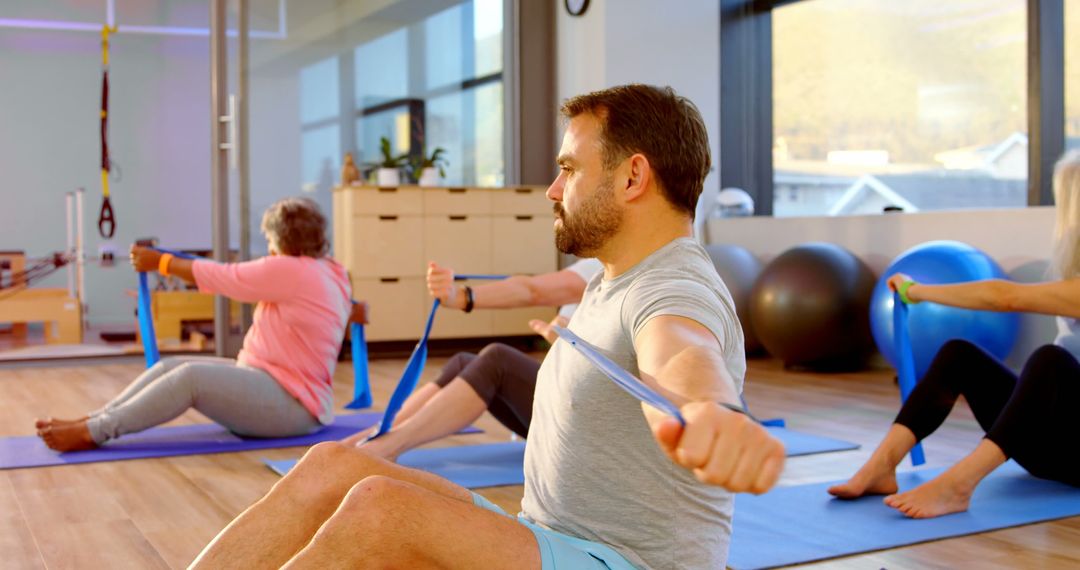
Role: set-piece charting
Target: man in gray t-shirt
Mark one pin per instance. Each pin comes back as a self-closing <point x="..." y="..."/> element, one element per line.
<point x="609" y="482"/>
<point x="591" y="463"/>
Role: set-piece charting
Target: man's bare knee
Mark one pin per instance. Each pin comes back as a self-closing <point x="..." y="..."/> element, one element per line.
<point x="379" y="509"/>
<point x="326" y="471"/>
<point x="378" y="497"/>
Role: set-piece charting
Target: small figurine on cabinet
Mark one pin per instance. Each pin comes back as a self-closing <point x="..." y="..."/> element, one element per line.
<point x="349" y="172"/>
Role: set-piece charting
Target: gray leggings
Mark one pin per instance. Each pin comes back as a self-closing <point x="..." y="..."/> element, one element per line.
<point x="246" y="401"/>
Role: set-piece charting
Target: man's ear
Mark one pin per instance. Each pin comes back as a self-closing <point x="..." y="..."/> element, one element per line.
<point x="638" y="177"/>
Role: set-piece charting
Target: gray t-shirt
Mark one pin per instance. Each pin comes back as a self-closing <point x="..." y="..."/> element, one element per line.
<point x="592" y="467"/>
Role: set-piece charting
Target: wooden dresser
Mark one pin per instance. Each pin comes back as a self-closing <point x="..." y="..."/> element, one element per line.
<point x="386" y="236"/>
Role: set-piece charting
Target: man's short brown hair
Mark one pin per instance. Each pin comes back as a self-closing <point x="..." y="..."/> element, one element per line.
<point x="658" y="123"/>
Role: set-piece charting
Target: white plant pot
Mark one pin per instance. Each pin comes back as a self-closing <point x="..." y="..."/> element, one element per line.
<point x="388" y="177"/>
<point x="429" y="177"/>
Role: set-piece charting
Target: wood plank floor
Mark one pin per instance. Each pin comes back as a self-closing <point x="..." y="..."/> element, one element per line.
<point x="158" y="513"/>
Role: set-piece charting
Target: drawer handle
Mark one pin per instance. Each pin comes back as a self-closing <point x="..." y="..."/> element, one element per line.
<point x="389" y="279"/>
<point x="458" y="218"/>
<point x="387" y="218"/>
<point x="387" y="189"/>
<point x="456" y="190"/>
<point x="523" y="218"/>
<point x="523" y="190"/>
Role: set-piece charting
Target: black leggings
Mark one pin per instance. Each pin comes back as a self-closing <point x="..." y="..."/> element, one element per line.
<point x="1033" y="418"/>
<point x="503" y="376"/>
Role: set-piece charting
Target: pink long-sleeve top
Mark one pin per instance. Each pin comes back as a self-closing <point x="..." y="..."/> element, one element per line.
<point x="303" y="306"/>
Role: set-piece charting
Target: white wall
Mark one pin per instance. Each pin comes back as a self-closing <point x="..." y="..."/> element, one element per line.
<point x="49" y="145"/>
<point x="159" y="136"/>
<point x="646" y="41"/>
<point x="1018" y="239"/>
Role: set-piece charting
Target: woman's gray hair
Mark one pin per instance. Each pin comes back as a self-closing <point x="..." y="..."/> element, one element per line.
<point x="297" y="227"/>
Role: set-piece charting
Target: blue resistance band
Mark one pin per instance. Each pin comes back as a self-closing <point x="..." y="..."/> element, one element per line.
<point x="361" y="382"/>
<point x="905" y="363"/>
<point x="415" y="367"/>
<point x="146" y="323"/>
<point x="409" y="377"/>
<point x="624" y="379"/>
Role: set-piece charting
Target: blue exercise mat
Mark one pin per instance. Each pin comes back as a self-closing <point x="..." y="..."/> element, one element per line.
<point x="30" y="451"/>
<point x="803" y="523"/>
<point x="471" y="466"/>
<point x="797" y="443"/>
<point x="495" y="464"/>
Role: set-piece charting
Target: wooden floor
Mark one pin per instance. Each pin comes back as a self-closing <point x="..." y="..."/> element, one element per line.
<point x="158" y="513"/>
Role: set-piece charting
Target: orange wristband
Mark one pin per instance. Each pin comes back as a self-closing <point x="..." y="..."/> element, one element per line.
<point x="163" y="263"/>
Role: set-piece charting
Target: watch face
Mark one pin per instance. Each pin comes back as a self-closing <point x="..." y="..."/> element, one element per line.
<point x="576" y="7"/>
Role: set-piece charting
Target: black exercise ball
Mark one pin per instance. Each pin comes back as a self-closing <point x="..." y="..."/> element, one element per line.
<point x="810" y="307"/>
<point x="739" y="270"/>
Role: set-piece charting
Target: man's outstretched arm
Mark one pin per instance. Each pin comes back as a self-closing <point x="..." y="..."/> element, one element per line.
<point x="683" y="360"/>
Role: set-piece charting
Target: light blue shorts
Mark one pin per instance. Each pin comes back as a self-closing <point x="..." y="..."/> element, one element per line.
<point x="560" y="551"/>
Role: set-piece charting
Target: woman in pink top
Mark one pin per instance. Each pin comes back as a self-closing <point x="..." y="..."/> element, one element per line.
<point x="280" y="383"/>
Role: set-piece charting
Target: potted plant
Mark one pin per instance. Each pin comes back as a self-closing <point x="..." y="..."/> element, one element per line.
<point x="429" y="170"/>
<point x="388" y="170"/>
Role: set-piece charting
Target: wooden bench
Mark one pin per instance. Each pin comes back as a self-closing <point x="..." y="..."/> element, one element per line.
<point x="59" y="312"/>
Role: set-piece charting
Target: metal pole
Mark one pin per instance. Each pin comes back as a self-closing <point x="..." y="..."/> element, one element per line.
<point x="512" y="93"/>
<point x="69" y="209"/>
<point x="243" y="156"/>
<point x="1045" y="96"/>
<point x="80" y="258"/>
<point x="219" y="167"/>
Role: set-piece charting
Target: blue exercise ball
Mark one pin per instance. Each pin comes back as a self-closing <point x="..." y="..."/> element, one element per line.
<point x="931" y="325"/>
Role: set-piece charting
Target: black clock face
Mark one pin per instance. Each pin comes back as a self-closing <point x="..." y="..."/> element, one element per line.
<point x="576" y="7"/>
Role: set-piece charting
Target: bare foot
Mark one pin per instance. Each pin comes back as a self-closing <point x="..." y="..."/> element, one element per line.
<point x="872" y="479"/>
<point x="73" y="436"/>
<point x="939" y="496"/>
<point x="45" y="422"/>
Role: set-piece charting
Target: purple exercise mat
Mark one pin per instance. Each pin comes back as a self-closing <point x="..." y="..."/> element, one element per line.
<point x="30" y="451"/>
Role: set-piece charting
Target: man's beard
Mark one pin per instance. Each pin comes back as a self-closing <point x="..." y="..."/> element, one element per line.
<point x="596" y="220"/>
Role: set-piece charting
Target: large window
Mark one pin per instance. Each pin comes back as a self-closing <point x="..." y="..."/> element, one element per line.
<point x="434" y="82"/>
<point x="437" y="83"/>
<point x="320" y="130"/>
<point x="918" y="104"/>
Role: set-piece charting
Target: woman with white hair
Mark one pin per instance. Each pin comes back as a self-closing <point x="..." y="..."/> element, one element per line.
<point x="280" y="383"/>
<point x="1024" y="416"/>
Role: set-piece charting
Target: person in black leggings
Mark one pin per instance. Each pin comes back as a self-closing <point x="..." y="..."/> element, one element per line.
<point x="1025" y="416"/>
<point x="500" y="379"/>
<point x="504" y="377"/>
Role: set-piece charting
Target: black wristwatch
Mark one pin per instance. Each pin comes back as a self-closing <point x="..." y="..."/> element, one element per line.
<point x="468" y="299"/>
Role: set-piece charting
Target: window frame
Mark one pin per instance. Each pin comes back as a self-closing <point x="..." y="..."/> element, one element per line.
<point x="746" y="97"/>
<point x="419" y="94"/>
